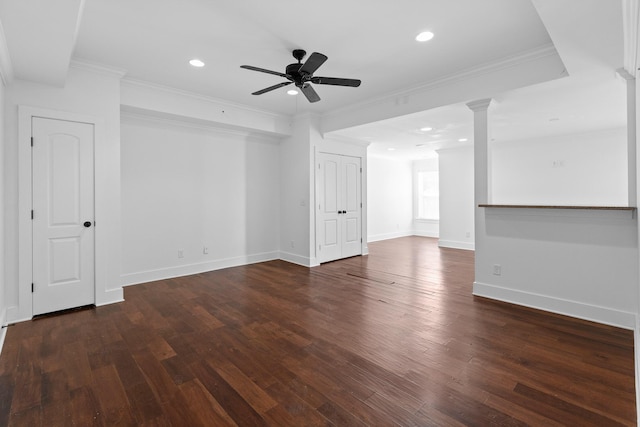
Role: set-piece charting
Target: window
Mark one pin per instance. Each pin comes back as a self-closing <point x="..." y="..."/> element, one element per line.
<point x="428" y="195"/>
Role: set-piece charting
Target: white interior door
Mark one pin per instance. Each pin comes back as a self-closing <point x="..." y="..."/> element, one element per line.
<point x="329" y="200"/>
<point x="339" y="229"/>
<point x="63" y="215"/>
<point x="351" y="207"/>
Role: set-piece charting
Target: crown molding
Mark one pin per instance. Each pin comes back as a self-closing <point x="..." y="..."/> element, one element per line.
<point x="94" y="67"/>
<point x="453" y="79"/>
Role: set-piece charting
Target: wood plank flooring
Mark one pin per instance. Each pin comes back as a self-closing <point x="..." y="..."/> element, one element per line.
<point x="390" y="339"/>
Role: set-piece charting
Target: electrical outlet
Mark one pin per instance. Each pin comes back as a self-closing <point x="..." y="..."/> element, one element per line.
<point x="180" y="253"/>
<point x="205" y="250"/>
<point x="293" y="244"/>
<point x="497" y="269"/>
<point x="468" y="234"/>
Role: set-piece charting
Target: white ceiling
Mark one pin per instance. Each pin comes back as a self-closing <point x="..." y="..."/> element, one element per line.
<point x="588" y="36"/>
<point x="153" y="40"/>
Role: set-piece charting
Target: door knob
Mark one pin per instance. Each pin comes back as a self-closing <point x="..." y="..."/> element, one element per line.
<point x="87" y="224"/>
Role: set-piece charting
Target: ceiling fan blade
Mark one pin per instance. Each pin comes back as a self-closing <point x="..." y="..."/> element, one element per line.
<point x="310" y="93"/>
<point x="270" y="88"/>
<point x="335" y="81"/>
<point x="313" y="63"/>
<point x="262" y="70"/>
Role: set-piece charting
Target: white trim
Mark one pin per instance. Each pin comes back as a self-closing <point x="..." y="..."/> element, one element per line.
<point x="3" y="331"/>
<point x="298" y="259"/>
<point x="127" y="81"/>
<point x="483" y="69"/>
<point x="135" y="115"/>
<point x="94" y="67"/>
<point x="576" y="309"/>
<point x="388" y="236"/>
<point x="103" y="294"/>
<point x="433" y="234"/>
<point x="454" y="244"/>
<point x="630" y="22"/>
<point x="6" y="66"/>
<point x="189" y="269"/>
<point x="111" y="296"/>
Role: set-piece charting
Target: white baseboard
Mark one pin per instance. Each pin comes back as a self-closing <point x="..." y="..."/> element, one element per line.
<point x="186" y="270"/>
<point x="576" y="309"/>
<point x="453" y="244"/>
<point x="110" y="296"/>
<point x="387" y="236"/>
<point x="298" y="259"/>
<point x="426" y="234"/>
<point x="3" y="331"/>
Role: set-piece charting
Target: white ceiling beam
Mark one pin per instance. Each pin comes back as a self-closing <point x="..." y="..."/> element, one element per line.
<point x="41" y="36"/>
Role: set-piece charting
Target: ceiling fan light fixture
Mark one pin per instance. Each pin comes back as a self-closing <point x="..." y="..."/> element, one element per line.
<point x="292" y="92"/>
<point x="424" y="36"/>
<point x="196" y="63"/>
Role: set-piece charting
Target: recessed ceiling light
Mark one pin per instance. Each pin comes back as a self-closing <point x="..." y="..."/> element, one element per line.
<point x="426" y="129"/>
<point x="419" y="145"/>
<point x="391" y="149"/>
<point x="424" y="36"/>
<point x="196" y="63"/>
<point x="463" y="140"/>
<point x="292" y="92"/>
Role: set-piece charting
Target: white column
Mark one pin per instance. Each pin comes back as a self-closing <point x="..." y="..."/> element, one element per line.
<point x="481" y="179"/>
<point x="632" y="198"/>
<point x="481" y="150"/>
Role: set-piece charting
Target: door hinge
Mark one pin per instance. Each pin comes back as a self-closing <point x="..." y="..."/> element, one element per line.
<point x="360" y="170"/>
<point x="31" y="213"/>
<point x="361" y="240"/>
<point x="32" y="288"/>
<point x="360" y="204"/>
<point x="32" y="141"/>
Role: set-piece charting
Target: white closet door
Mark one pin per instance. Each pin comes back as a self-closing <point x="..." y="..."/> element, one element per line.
<point x="63" y="215"/>
<point x="339" y="230"/>
<point x="329" y="200"/>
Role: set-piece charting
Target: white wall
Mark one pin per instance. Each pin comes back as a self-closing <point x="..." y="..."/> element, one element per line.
<point x="296" y="203"/>
<point x="578" y="169"/>
<point x="423" y="227"/>
<point x="87" y="93"/>
<point x="187" y="187"/>
<point x="580" y="263"/>
<point x="456" y="198"/>
<point x="390" y="198"/>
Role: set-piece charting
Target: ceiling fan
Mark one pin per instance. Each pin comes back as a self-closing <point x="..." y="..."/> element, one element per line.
<point x="302" y="75"/>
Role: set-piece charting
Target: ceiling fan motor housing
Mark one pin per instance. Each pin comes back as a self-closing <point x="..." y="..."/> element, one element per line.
<point x="298" y="78"/>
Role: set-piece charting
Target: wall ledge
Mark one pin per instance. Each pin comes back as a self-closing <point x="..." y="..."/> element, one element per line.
<point x="572" y="207"/>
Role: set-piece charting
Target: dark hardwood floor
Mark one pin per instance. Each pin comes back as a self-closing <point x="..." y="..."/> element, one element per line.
<point x="393" y="338"/>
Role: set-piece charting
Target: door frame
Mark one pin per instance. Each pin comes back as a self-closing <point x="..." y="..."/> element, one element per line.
<point x="340" y="147"/>
<point x="24" y="308"/>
